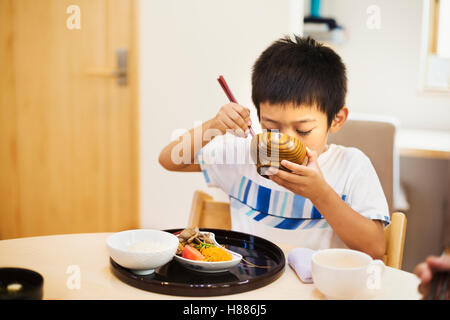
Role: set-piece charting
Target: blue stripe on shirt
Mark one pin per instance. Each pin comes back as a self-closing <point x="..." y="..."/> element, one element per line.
<point x="206" y="176"/>
<point x="263" y="202"/>
<point x="315" y="214"/>
<point x="297" y="207"/>
<point x="260" y="216"/>
<point x="240" y="188"/>
<point x="311" y="223"/>
<point x="249" y="184"/>
<point x="290" y="224"/>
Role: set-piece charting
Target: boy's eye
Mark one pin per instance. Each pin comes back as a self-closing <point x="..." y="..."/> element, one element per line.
<point x="303" y="133"/>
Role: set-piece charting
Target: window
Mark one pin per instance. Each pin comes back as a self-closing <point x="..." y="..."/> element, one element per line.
<point x="443" y="29"/>
<point x="436" y="58"/>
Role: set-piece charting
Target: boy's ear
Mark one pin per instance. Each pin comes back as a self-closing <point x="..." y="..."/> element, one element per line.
<point x="339" y="120"/>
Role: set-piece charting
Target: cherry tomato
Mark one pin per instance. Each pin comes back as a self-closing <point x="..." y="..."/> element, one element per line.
<point x="191" y="253"/>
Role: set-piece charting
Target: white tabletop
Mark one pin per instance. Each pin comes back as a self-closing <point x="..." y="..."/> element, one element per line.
<point x="424" y="143"/>
<point x="59" y="258"/>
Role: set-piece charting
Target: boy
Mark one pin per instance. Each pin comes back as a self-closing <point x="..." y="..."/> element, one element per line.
<point x="335" y="200"/>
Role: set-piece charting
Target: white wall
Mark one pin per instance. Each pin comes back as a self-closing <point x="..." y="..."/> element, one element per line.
<point x="185" y="45"/>
<point x="383" y="64"/>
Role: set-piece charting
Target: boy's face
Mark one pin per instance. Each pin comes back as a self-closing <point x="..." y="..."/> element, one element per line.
<point x="305" y="123"/>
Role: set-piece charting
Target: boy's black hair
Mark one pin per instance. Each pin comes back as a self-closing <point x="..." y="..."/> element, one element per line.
<point x="301" y="71"/>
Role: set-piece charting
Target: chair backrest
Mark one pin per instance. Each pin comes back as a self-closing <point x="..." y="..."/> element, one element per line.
<point x="207" y="213"/>
<point x="394" y="235"/>
<point x="375" y="136"/>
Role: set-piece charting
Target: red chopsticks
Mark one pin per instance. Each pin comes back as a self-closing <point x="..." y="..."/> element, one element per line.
<point x="230" y="96"/>
<point x="227" y="90"/>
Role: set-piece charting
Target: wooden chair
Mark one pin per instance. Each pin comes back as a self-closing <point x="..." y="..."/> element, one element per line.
<point x="207" y="213"/>
<point x="394" y="235"/>
<point x="375" y="136"/>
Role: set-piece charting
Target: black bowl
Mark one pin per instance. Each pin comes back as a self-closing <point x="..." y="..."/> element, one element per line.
<point x="30" y="284"/>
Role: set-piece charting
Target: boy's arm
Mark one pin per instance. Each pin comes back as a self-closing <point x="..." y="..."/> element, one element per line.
<point x="355" y="230"/>
<point x="186" y="142"/>
<point x="179" y="155"/>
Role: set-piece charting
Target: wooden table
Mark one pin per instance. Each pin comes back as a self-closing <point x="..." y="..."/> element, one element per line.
<point x="434" y="144"/>
<point x="58" y="258"/>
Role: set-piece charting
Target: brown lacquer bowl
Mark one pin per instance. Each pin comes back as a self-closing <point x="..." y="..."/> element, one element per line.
<point x="269" y="148"/>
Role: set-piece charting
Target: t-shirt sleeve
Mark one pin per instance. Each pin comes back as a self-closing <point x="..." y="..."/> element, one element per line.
<point x="366" y="195"/>
<point x="221" y="160"/>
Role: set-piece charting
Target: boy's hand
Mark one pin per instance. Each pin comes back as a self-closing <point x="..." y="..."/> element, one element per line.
<point x="305" y="180"/>
<point x="233" y="117"/>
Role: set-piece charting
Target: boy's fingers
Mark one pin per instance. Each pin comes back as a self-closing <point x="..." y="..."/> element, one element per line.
<point x="305" y="161"/>
<point x="222" y="124"/>
<point x="243" y="111"/>
<point x="238" y="120"/>
<point x="281" y="182"/>
<point x="283" y="175"/>
<point x="231" y="125"/>
<point x="294" y="167"/>
<point x="311" y="155"/>
<point x="288" y="177"/>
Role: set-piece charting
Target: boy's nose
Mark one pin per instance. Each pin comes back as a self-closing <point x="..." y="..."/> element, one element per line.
<point x="290" y="132"/>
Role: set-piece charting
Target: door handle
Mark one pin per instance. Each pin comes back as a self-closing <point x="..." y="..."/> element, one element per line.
<point x="121" y="71"/>
<point x="122" y="66"/>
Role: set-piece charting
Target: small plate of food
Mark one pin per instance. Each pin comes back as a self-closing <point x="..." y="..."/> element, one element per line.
<point x="199" y="251"/>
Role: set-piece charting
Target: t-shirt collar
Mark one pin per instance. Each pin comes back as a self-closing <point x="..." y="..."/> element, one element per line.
<point x="324" y="156"/>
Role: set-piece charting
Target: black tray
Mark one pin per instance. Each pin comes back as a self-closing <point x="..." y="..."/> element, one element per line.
<point x="174" y="279"/>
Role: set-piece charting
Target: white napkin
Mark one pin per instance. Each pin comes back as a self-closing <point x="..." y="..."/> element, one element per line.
<point x="300" y="260"/>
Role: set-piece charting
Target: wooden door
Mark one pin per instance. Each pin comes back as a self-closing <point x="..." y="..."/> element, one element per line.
<point x="68" y="130"/>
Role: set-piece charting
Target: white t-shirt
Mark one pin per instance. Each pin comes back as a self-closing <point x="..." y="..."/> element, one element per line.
<point x="263" y="208"/>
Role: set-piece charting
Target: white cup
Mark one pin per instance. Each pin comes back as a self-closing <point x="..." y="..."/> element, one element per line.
<point x="346" y="274"/>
